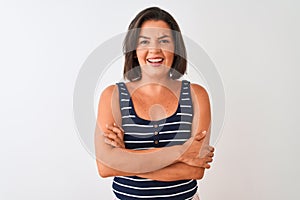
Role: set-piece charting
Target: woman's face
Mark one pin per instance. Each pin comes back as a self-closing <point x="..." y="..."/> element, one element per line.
<point x="155" y="46"/>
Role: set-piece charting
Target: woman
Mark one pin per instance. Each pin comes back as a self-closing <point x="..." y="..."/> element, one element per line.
<point x="155" y="155"/>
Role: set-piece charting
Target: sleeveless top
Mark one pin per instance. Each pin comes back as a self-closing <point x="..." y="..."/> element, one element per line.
<point x="145" y="134"/>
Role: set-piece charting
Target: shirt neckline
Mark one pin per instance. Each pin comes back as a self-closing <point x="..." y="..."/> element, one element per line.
<point x="160" y="120"/>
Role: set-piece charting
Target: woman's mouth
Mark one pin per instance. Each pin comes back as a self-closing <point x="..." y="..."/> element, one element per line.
<point x="155" y="61"/>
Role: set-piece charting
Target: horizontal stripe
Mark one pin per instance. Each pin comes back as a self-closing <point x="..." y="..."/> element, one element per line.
<point x="190" y="198"/>
<point x="175" y="131"/>
<point x="155" y="196"/>
<point x="128" y="116"/>
<point x="125" y="99"/>
<point x="186" y="114"/>
<point x="134" y="179"/>
<point x="185" y="93"/>
<point x="139" y="134"/>
<point x="140" y="141"/>
<point x="172" y="123"/>
<point x="153" y="183"/>
<point x="185" y="99"/>
<point x="137" y="125"/>
<point x="151" y="141"/>
<point x="173" y="140"/>
<point x="126" y="108"/>
<point x="185" y="106"/>
<point x="124" y="93"/>
<point x="153" y="188"/>
<point x="145" y="148"/>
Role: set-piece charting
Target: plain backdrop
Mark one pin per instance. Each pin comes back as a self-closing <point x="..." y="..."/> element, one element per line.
<point x="254" y="45"/>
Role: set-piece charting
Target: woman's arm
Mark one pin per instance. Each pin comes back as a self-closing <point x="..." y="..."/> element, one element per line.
<point x="179" y="171"/>
<point x="131" y="161"/>
<point x="201" y="121"/>
<point x="175" y="172"/>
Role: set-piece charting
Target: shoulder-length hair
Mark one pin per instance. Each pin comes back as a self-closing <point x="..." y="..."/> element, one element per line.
<point x="132" y="70"/>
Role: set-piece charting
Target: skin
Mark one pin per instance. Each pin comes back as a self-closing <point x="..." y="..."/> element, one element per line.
<point x="108" y="160"/>
<point x="155" y="41"/>
<point x="155" y="96"/>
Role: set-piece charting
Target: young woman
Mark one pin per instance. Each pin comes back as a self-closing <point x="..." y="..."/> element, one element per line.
<point x="151" y="129"/>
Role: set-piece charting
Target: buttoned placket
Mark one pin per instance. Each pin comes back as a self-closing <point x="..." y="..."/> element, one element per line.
<point x="156" y="134"/>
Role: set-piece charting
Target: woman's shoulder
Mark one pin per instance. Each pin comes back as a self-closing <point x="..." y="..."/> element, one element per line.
<point x="109" y="100"/>
<point x="198" y="88"/>
<point x="198" y="91"/>
<point x="109" y="92"/>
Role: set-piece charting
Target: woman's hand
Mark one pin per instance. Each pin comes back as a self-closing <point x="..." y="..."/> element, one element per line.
<point x="115" y="136"/>
<point x="192" y="149"/>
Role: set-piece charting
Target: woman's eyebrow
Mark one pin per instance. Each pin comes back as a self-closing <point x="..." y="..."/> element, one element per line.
<point x="164" y="36"/>
<point x="144" y="37"/>
<point x="161" y="37"/>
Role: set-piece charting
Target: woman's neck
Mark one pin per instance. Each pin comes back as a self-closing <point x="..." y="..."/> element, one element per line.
<point x="153" y="87"/>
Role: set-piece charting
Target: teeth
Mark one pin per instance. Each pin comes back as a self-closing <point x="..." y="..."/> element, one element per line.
<point x="155" y="60"/>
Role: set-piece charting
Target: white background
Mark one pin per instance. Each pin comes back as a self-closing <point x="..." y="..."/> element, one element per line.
<point x="254" y="44"/>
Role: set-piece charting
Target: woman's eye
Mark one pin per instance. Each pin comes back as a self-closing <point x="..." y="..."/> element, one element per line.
<point x="164" y="41"/>
<point x="144" y="42"/>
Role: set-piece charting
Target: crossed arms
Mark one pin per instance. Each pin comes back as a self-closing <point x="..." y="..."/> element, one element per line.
<point x="163" y="164"/>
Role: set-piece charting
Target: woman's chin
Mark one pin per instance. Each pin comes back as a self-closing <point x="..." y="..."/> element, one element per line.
<point x="155" y="71"/>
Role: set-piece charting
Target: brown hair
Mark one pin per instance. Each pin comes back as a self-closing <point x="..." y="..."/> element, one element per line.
<point x="132" y="70"/>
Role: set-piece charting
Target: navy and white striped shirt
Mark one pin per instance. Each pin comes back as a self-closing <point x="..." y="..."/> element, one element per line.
<point x="145" y="134"/>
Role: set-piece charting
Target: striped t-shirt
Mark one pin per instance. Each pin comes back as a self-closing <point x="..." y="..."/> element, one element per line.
<point x="145" y="134"/>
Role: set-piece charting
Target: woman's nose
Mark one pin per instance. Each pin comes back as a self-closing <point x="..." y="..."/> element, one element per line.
<point x="154" y="48"/>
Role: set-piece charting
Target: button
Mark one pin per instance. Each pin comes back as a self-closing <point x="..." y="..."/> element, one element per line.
<point x="156" y="141"/>
<point x="155" y="125"/>
<point x="155" y="133"/>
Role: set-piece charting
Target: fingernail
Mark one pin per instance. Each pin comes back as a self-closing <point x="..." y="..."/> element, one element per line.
<point x="106" y="125"/>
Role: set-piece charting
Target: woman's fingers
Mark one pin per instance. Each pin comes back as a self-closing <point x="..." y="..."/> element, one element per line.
<point x="208" y="160"/>
<point x="115" y="125"/>
<point x="211" y="148"/>
<point x="199" y="136"/>
<point x="210" y="154"/>
<point x="120" y="132"/>
<point x="114" y="142"/>
<point x="110" y="135"/>
<point x="206" y="166"/>
<point x="113" y="137"/>
<point x="204" y="162"/>
<point x="108" y="141"/>
<point x="198" y="162"/>
<point x="114" y="129"/>
<point x="116" y="134"/>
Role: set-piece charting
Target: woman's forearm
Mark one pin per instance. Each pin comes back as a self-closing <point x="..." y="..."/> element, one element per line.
<point x="174" y="172"/>
<point x="129" y="161"/>
<point x="135" y="161"/>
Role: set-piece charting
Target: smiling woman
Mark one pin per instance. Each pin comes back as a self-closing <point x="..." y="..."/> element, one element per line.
<point x="151" y="130"/>
<point x="155" y="47"/>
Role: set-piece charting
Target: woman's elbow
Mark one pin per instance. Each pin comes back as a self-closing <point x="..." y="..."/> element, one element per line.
<point x="199" y="174"/>
<point x="103" y="174"/>
<point x="104" y="171"/>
